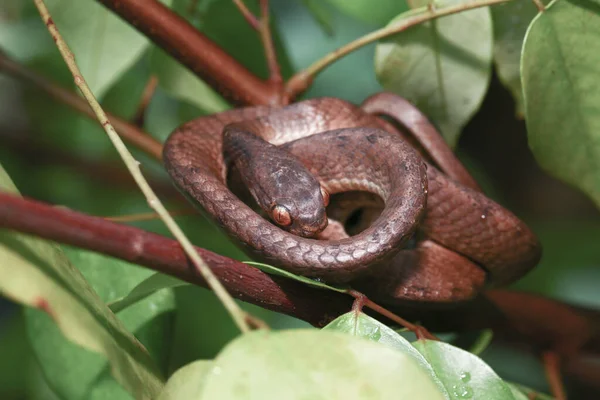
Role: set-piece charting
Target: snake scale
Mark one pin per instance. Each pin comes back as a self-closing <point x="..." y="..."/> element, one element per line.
<point x="431" y="235"/>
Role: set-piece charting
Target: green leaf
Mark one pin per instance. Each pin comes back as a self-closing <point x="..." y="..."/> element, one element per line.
<point x="16" y="357"/>
<point x="104" y="45"/>
<point x="145" y="288"/>
<point x="269" y="269"/>
<point x="58" y="126"/>
<point x="464" y="375"/>
<point x="511" y="21"/>
<point x="37" y="273"/>
<point x="23" y="36"/>
<point x="107" y="388"/>
<point x="516" y="392"/>
<point x="25" y="39"/>
<point x="483" y="341"/>
<point x="311" y="364"/>
<point x="321" y="15"/>
<point x="159" y="281"/>
<point x="521" y="392"/>
<point x="361" y="325"/>
<point x="378" y="12"/>
<point x="179" y="82"/>
<point x="442" y="66"/>
<point x="560" y="68"/>
<point x="570" y="266"/>
<point x="202" y="327"/>
<point x="73" y="371"/>
<point x="187" y="382"/>
<point x="222" y="22"/>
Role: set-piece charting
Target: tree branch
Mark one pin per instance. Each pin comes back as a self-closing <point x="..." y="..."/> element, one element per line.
<point x="161" y="254"/>
<point x="145" y="99"/>
<point x="267" y="40"/>
<point x="236" y="313"/>
<point x="247" y="14"/>
<point x="191" y="48"/>
<point x="263" y="27"/>
<point x="541" y="323"/>
<point x="129" y="132"/>
<point x="40" y="154"/>
<point x="302" y="80"/>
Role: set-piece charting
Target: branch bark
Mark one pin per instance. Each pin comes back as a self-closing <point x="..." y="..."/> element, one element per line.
<point x="129" y="132"/>
<point x="161" y="254"/>
<point x="191" y="48"/>
<point x="540" y="323"/>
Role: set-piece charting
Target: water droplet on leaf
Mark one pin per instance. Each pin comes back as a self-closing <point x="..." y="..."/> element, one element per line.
<point x="465" y="377"/>
<point x="462" y="391"/>
<point x="371" y="332"/>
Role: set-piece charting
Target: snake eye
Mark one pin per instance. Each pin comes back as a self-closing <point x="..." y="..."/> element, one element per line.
<point x="281" y="215"/>
<point x="325" y="195"/>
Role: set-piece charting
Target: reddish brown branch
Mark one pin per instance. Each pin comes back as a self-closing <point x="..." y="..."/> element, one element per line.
<point x="41" y="155"/>
<point x="517" y="317"/>
<point x="129" y="132"/>
<point x="361" y="301"/>
<point x="146" y="97"/>
<point x="148" y="216"/>
<point x="263" y="27"/>
<point x="541" y="323"/>
<point x="194" y="50"/>
<point x="539" y="5"/>
<point x="267" y="40"/>
<point x="247" y="14"/>
<point x="165" y="255"/>
<point x="552" y="367"/>
<point x="585" y="370"/>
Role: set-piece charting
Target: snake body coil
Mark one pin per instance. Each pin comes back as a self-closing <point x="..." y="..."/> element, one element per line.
<point x="463" y="235"/>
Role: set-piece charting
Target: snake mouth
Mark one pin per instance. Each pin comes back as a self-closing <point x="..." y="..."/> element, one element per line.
<point x="311" y="230"/>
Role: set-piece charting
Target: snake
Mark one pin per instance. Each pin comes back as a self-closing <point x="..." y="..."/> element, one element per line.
<point x="283" y="183"/>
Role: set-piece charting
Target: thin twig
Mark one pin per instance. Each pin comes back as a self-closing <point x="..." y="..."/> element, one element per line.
<point x="149" y="216"/>
<point x="362" y="300"/>
<point x="531" y="393"/>
<point x="129" y="132"/>
<point x="517" y="317"/>
<point x="420" y="331"/>
<point x="540" y="6"/>
<point x="149" y="89"/>
<point x="250" y="18"/>
<point x="267" y="40"/>
<point x="301" y="81"/>
<point x="256" y="322"/>
<point x="237" y="314"/>
<point x="166" y="256"/>
<point x="191" y="8"/>
<point x="195" y="51"/>
<point x="552" y="367"/>
<point x="263" y="27"/>
<point x="41" y="154"/>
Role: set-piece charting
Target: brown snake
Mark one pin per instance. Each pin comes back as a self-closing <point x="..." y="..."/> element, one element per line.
<point x="464" y="239"/>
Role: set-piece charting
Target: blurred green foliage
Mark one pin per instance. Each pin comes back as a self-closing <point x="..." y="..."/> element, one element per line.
<point x="199" y="327"/>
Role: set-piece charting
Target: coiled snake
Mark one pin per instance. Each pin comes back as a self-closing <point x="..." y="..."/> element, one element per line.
<point x="326" y="147"/>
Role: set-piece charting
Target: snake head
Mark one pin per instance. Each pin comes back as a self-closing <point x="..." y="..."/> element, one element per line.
<point x="303" y="216"/>
<point x="293" y="199"/>
<point x="281" y="185"/>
